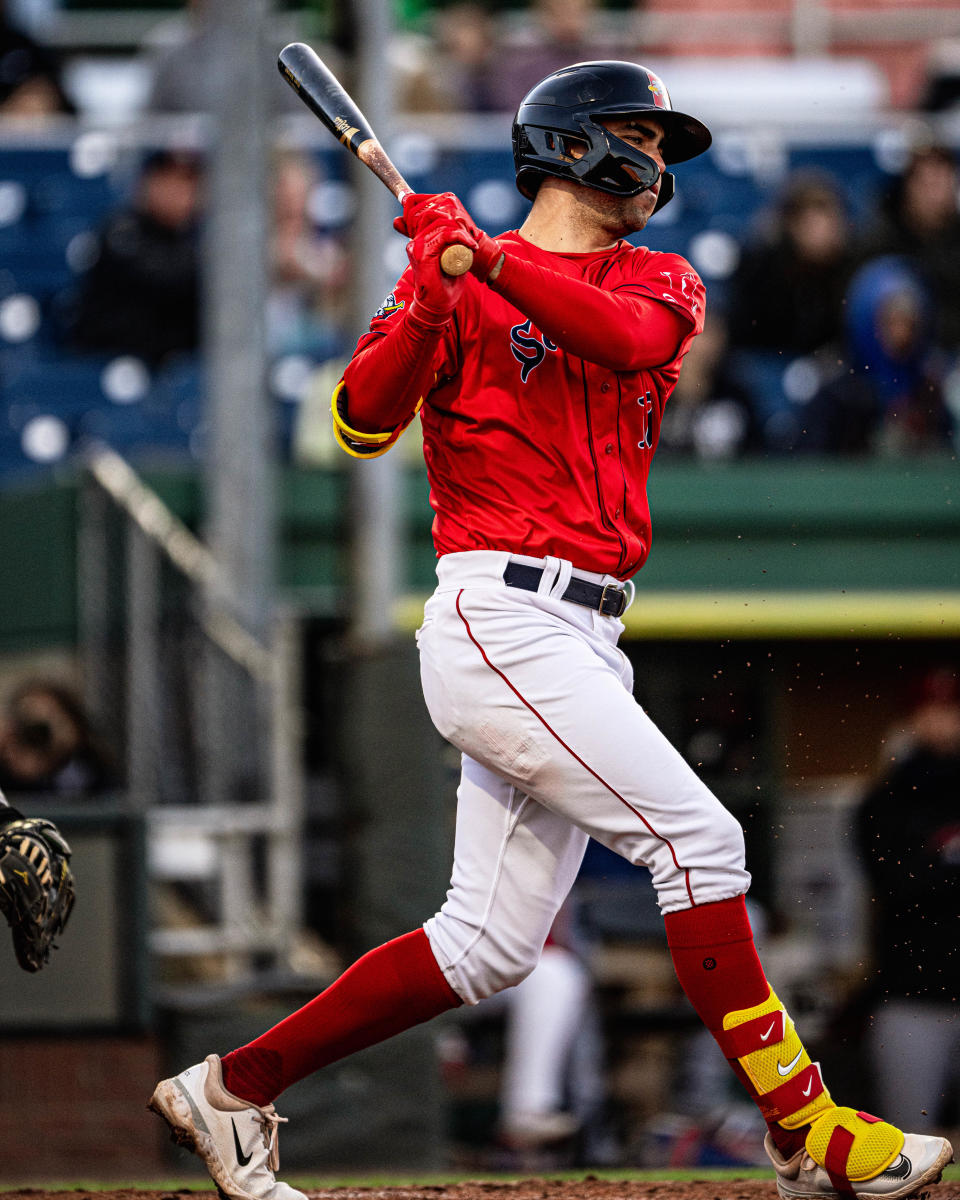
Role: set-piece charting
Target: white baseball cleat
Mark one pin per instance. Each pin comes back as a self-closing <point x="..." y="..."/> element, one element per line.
<point x="237" y="1140"/>
<point x="918" y="1166"/>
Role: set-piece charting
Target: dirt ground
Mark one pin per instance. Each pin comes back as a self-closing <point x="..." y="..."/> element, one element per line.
<point x="588" y="1188"/>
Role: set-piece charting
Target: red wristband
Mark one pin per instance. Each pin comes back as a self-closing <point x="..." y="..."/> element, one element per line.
<point x="420" y="313"/>
<point x="486" y="257"/>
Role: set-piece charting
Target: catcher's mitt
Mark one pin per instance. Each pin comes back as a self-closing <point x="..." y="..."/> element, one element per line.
<point x="36" y="887"/>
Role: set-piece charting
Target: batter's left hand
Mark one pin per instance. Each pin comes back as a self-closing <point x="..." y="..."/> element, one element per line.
<point x="422" y="210"/>
<point x="436" y="294"/>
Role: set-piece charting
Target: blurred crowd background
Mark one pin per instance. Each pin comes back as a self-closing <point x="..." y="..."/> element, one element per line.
<point x="824" y="220"/>
<point x="810" y="443"/>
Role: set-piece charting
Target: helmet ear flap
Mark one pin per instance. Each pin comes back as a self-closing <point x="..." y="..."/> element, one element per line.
<point x="667" y="190"/>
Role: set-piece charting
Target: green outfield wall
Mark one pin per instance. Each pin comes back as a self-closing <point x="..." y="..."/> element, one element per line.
<point x="765" y="548"/>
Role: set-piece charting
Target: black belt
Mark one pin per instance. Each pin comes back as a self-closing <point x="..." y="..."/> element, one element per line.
<point x="605" y="598"/>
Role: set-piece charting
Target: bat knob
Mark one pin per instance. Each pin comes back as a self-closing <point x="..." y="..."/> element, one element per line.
<point x="456" y="260"/>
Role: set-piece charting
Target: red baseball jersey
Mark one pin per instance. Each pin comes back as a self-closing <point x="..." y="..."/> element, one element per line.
<point x="529" y="448"/>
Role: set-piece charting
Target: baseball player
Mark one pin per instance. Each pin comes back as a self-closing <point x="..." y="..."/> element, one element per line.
<point x="540" y="379"/>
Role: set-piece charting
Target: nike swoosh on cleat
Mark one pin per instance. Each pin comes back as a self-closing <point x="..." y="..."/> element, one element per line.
<point x="242" y="1158"/>
<point x="764" y="1036"/>
<point x="785" y="1070"/>
<point x="900" y="1169"/>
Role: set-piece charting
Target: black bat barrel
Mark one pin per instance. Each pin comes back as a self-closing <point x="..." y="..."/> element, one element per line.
<point x="320" y="90"/>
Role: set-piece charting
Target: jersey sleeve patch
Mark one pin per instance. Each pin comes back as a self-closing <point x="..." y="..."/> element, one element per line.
<point x="671" y="279"/>
<point x="390" y="306"/>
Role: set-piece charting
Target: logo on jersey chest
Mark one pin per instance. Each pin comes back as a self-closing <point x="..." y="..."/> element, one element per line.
<point x="645" y="428"/>
<point x="528" y="348"/>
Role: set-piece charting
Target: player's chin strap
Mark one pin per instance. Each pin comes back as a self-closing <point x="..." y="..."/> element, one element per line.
<point x="668" y="187"/>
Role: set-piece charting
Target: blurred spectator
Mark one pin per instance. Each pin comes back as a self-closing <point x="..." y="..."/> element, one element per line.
<point x="141" y="296"/>
<point x="709" y="413"/>
<point x="918" y="218"/>
<point x="182" y="51"/>
<point x="556" y="33"/>
<point x="786" y="300"/>
<point x="30" y="84"/>
<point x="908" y="832"/>
<point x="47" y="744"/>
<point x="552" y="1085"/>
<point x="34" y="16"/>
<point x="942" y="89"/>
<point x="309" y="271"/>
<point x="887" y="393"/>
<point x="457" y="72"/>
<point x="787" y="294"/>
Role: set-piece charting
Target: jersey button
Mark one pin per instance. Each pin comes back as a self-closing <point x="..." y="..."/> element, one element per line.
<point x="604" y="387"/>
<point x="616" y="513"/>
<point x="608" y="448"/>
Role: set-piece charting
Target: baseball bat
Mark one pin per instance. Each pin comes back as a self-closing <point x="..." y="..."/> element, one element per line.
<point x="320" y="90"/>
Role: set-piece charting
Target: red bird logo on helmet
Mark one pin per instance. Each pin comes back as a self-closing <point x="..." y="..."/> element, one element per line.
<point x="656" y="87"/>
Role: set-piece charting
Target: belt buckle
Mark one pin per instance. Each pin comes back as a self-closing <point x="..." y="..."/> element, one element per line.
<point x="613" y="601"/>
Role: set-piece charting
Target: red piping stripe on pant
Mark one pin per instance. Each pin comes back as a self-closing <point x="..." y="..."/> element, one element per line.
<point x="612" y="790"/>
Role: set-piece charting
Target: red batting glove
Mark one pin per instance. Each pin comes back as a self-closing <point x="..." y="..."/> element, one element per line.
<point x="436" y="293"/>
<point x="413" y="205"/>
<point x="487" y="258"/>
<point x="422" y="209"/>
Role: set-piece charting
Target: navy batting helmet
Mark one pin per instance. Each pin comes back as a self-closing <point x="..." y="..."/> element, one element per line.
<point x="567" y="104"/>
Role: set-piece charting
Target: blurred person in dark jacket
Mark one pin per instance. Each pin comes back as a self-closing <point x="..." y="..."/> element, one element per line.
<point x="141" y="296"/>
<point x="885" y="393"/>
<point x="458" y="70"/>
<point x="30" y="76"/>
<point x="908" y="834"/>
<point x="787" y="294"/>
<point x="918" y="218"/>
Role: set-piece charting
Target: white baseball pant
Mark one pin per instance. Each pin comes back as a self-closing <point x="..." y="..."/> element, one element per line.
<point x="536" y="694"/>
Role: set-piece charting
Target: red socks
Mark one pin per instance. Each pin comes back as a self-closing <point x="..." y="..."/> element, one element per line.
<point x="399" y="985"/>
<point x="392" y="988"/>
<point x="715" y="959"/>
<point x="718" y="968"/>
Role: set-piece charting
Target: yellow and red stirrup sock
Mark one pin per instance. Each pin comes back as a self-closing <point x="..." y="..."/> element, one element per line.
<point x="852" y="1146"/>
<point x="718" y="968"/>
<point x="786" y="1086"/>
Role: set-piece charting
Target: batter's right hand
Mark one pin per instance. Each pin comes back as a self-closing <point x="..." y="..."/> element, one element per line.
<point x="437" y="293"/>
<point x="423" y="209"/>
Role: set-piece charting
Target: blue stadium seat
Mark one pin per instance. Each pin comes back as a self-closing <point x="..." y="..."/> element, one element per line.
<point x="179" y="381"/>
<point x="25" y="335"/>
<point x="61" y="385"/>
<point x="762" y="374"/>
<point x="40" y="274"/>
<point x="32" y="440"/>
<point x="723" y="190"/>
<point x="138" y="431"/>
<point x="854" y="167"/>
<point x="15" y="466"/>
